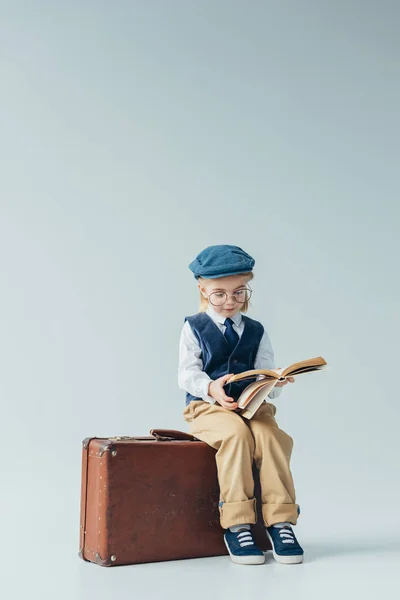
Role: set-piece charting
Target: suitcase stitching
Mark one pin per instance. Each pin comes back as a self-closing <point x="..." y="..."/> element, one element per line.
<point x="86" y="449"/>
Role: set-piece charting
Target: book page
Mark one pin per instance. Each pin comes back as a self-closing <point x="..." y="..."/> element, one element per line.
<point x="260" y="388"/>
<point x="256" y="401"/>
<point x="312" y="364"/>
<point x="305" y="366"/>
<point x="268" y="373"/>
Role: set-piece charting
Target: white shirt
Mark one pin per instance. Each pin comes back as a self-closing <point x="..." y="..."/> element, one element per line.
<point x="191" y="376"/>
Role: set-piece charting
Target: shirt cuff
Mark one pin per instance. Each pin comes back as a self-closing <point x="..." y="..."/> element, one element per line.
<point x="204" y="392"/>
<point x="275" y="392"/>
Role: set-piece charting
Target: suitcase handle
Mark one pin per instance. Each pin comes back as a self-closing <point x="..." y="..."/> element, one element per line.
<point x="172" y="434"/>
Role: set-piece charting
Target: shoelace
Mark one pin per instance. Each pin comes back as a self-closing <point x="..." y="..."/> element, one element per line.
<point x="245" y="539"/>
<point x="287" y="535"/>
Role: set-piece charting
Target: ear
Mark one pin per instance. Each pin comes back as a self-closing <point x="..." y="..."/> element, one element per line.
<point x="202" y="290"/>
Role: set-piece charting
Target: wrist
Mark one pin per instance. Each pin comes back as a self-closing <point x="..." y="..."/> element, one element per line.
<point x="206" y="392"/>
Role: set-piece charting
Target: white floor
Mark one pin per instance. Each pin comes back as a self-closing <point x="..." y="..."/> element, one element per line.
<point x="353" y="557"/>
<point x="343" y="568"/>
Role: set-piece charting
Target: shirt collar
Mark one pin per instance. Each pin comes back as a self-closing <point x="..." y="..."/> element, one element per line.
<point x="237" y="319"/>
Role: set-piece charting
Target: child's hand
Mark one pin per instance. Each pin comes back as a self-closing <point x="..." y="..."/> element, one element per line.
<point x="285" y="381"/>
<point x="215" y="390"/>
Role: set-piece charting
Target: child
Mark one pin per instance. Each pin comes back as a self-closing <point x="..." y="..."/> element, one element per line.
<point x="215" y="343"/>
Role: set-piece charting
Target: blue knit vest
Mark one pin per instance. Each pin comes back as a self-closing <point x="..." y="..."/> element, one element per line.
<point x="217" y="356"/>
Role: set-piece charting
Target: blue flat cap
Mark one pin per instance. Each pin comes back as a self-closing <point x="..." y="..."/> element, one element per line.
<point x="221" y="261"/>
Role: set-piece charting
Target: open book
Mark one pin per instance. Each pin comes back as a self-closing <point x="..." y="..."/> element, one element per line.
<point x="257" y="391"/>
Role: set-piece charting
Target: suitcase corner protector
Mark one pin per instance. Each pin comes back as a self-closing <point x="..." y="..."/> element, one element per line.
<point x="106" y="446"/>
<point x="81" y="555"/>
<point x="85" y="442"/>
<point x="106" y="562"/>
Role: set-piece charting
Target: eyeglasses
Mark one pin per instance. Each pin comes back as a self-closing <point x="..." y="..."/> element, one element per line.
<point x="240" y="296"/>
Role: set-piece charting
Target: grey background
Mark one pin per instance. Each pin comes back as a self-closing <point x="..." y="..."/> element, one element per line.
<point x="134" y="134"/>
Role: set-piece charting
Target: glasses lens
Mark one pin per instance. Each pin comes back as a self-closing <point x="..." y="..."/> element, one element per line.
<point x="242" y="295"/>
<point x="217" y="298"/>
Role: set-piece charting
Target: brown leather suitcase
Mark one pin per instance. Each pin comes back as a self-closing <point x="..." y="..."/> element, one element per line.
<point x="152" y="498"/>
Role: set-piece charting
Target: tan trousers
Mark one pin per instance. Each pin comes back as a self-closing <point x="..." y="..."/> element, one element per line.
<point x="238" y="442"/>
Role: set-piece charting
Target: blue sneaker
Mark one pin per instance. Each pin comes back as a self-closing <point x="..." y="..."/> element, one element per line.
<point x="242" y="548"/>
<point x="285" y="547"/>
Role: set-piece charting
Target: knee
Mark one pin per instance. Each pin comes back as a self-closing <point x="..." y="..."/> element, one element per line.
<point x="280" y="437"/>
<point x="240" y="434"/>
<point x="273" y="433"/>
<point x="286" y="437"/>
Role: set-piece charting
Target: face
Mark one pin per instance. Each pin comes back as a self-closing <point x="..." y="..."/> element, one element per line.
<point x="230" y="284"/>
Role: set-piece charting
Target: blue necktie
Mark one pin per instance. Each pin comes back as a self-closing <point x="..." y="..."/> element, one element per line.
<point x="230" y="334"/>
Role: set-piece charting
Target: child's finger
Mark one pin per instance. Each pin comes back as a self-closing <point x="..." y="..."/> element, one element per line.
<point x="230" y="405"/>
<point x="228" y="399"/>
<point x="224" y="378"/>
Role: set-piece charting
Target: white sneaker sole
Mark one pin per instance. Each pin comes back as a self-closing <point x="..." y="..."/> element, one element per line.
<point x="285" y="560"/>
<point x="245" y="560"/>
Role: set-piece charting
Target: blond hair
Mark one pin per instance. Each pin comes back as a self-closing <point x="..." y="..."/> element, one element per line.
<point x="204" y="301"/>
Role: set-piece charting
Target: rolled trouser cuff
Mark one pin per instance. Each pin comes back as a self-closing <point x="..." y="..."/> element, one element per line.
<point x="236" y="513"/>
<point x="277" y="513"/>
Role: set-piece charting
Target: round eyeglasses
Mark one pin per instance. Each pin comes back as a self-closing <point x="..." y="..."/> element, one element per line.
<point x="240" y="296"/>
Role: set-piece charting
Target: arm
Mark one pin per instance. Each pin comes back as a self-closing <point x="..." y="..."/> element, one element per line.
<point x="265" y="360"/>
<point x="191" y="376"/>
